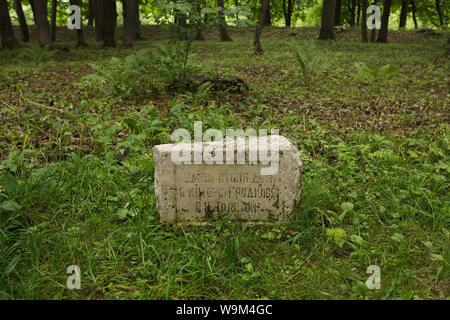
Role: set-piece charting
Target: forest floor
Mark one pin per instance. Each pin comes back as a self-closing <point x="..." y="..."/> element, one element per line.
<point x="371" y="122"/>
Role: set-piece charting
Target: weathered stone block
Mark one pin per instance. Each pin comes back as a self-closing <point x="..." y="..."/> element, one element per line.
<point x="195" y="192"/>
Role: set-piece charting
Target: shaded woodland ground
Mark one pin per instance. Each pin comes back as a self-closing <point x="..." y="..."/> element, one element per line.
<point x="370" y="120"/>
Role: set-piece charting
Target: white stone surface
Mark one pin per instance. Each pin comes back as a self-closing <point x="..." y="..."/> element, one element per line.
<point x="196" y="192"/>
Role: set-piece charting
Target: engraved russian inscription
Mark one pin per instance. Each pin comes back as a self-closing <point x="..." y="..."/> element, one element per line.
<point x="187" y="192"/>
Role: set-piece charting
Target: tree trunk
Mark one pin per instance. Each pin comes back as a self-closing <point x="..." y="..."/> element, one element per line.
<point x="109" y="23"/>
<point x="91" y="13"/>
<point x="53" y="21"/>
<point x="80" y="35"/>
<point x="403" y="14"/>
<point x="337" y="13"/>
<point x="22" y="21"/>
<point x="199" y="26"/>
<point x="224" y="36"/>
<point x="287" y="12"/>
<point x="373" y="32"/>
<point x="33" y="10"/>
<point x="414" y="13"/>
<point x="262" y="17"/>
<point x="358" y="11"/>
<point x="8" y="39"/>
<point x="352" y="8"/>
<point x="40" y="7"/>
<point x="382" y="34"/>
<point x="131" y="22"/>
<point x="236" y="3"/>
<point x="439" y="11"/>
<point x="124" y="10"/>
<point x="268" y="19"/>
<point x="98" y="18"/>
<point x="364" y="21"/>
<point x="327" y="28"/>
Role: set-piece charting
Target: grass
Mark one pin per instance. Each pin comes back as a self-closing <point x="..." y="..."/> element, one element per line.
<point x="370" y="121"/>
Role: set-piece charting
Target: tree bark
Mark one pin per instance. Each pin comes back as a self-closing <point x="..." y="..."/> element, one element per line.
<point x="53" y="21"/>
<point x="373" y="32"/>
<point x="33" y="10"/>
<point x="383" y="33"/>
<point x="327" y="28"/>
<point x="364" y="21"/>
<point x="262" y="17"/>
<point x="40" y="7"/>
<point x="199" y="26"/>
<point x="8" y="39"/>
<point x="91" y="13"/>
<point x="414" y="13"/>
<point x="131" y="22"/>
<point x="224" y="36"/>
<point x="439" y="11"/>
<point x="337" y="13"/>
<point x="403" y="14"/>
<point x="358" y="12"/>
<point x="109" y="23"/>
<point x="124" y="10"/>
<point x="80" y="35"/>
<point x="287" y="12"/>
<point x="98" y="18"/>
<point x="268" y="19"/>
<point x="25" y="36"/>
<point x="352" y="8"/>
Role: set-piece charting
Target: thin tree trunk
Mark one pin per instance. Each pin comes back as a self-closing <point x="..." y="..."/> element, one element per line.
<point x="124" y="10"/>
<point x="109" y="23"/>
<point x="98" y="18"/>
<point x="91" y="13"/>
<point x="358" y="11"/>
<point x="53" y="20"/>
<point x="414" y="14"/>
<point x="199" y="26"/>
<point x="182" y="27"/>
<point x="327" y="28"/>
<point x="224" y="36"/>
<point x="352" y="8"/>
<point x="131" y="22"/>
<point x="337" y="13"/>
<point x="403" y="14"/>
<point x="43" y="27"/>
<point x="364" y="21"/>
<point x="80" y="35"/>
<point x="262" y="17"/>
<point x="236" y="3"/>
<point x="383" y="33"/>
<point x="6" y="32"/>
<point x="287" y="12"/>
<point x="268" y="19"/>
<point x="439" y="11"/>
<point x="373" y="32"/>
<point x="22" y="21"/>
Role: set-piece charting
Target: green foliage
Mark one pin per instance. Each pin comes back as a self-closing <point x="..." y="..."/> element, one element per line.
<point x="36" y="54"/>
<point x="369" y="74"/>
<point x="125" y="76"/>
<point x="373" y="76"/>
<point x="172" y="61"/>
<point x="144" y="73"/>
<point x="77" y="175"/>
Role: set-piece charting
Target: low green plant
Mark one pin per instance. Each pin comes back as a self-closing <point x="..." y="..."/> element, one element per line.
<point x="132" y="75"/>
<point x="36" y="54"/>
<point x="372" y="75"/>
